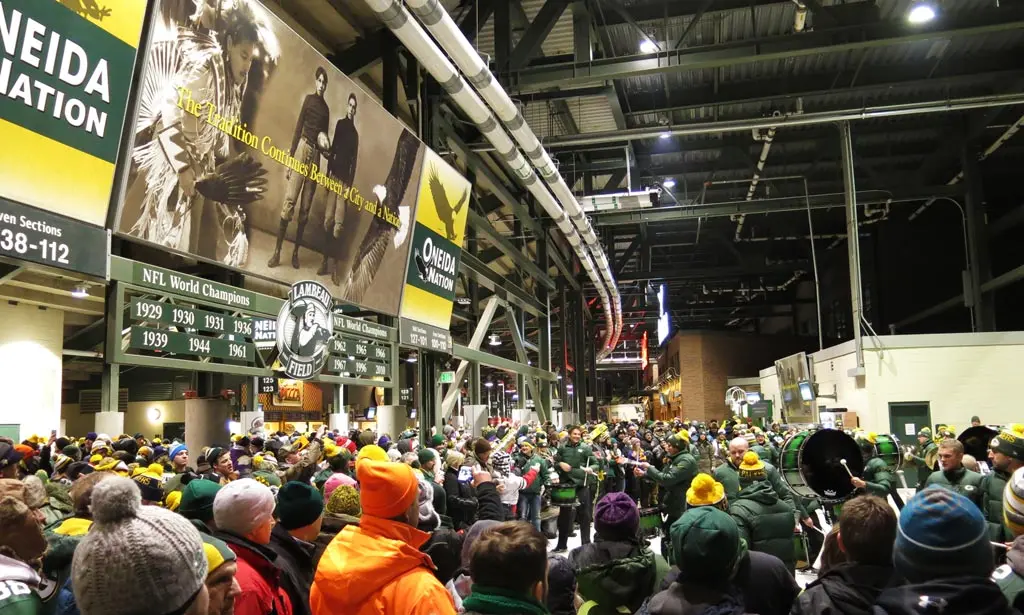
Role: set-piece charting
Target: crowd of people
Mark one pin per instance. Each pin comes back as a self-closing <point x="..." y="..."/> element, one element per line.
<point x="363" y="523"/>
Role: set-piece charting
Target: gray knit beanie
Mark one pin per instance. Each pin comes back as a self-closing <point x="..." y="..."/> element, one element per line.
<point x="136" y="558"/>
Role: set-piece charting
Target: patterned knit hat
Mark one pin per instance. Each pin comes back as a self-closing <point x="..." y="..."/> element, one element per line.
<point x="150" y="482"/>
<point x="344" y="501"/>
<point x="941" y="535"/>
<point x="136" y="555"/>
<point x="1013" y="503"/>
<point x="1010" y="442"/>
<point x="752" y="468"/>
<point x="926" y="432"/>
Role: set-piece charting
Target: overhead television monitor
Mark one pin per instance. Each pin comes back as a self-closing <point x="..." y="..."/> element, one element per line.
<point x="371" y="414"/>
<point x="412" y="413"/>
<point x="806" y="390"/>
<point x="753" y="397"/>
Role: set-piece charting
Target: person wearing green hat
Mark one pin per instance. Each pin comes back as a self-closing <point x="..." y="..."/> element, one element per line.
<point x="528" y="507"/>
<point x="1006" y="456"/>
<point x="428" y="458"/>
<point x="927" y="449"/>
<point x="675" y="479"/>
<point x="299" y="513"/>
<point x="197" y="504"/>
<point x="709" y="552"/>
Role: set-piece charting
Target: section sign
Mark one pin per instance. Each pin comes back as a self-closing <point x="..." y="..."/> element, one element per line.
<point x="251" y="150"/>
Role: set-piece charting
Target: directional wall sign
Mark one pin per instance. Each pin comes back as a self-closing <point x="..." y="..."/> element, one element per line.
<point x="32" y="235"/>
<point x="345" y="347"/>
<point x="357" y="367"/>
<point x="425" y="336"/>
<point x="172" y="342"/>
<point x="268" y="384"/>
<point x="190" y="318"/>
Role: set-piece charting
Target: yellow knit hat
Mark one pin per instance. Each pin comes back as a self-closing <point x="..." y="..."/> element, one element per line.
<point x="372" y="451"/>
<point x="172" y="501"/>
<point x="752" y="467"/>
<point x="705" y="491"/>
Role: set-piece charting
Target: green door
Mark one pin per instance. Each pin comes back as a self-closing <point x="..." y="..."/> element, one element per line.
<point x="905" y="420"/>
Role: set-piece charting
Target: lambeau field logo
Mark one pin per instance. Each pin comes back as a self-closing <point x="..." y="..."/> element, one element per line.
<point x="304" y="330"/>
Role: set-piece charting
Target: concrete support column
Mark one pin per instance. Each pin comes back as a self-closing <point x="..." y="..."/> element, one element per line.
<point x="339" y="416"/>
<point x="110" y="423"/>
<point x="391" y="420"/>
<point x="206" y="423"/>
<point x="31" y="340"/>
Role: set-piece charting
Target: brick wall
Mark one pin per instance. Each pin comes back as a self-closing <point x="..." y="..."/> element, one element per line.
<point x="707" y="359"/>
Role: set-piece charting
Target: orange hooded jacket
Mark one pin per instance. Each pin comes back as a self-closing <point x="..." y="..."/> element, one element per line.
<point x="376" y="568"/>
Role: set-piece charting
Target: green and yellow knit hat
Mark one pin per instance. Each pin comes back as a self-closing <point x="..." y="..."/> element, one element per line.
<point x="752" y="468"/>
<point x="1013" y="503"/>
<point x="217" y="552"/>
<point x="1010" y="442"/>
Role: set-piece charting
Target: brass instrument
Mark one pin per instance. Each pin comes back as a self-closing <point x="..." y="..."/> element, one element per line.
<point x="931" y="458"/>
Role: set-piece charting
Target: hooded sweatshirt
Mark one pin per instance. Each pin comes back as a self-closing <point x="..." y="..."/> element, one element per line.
<point x="617" y="574"/>
<point x="377" y="568"/>
<point x="961" y="595"/>
<point x="847" y="589"/>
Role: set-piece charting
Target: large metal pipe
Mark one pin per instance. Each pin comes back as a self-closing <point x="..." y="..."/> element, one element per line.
<point x="411" y="34"/>
<point x="853" y="238"/>
<point x="803" y="119"/>
<point x="450" y="37"/>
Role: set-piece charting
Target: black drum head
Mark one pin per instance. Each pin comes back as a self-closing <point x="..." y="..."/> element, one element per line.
<point x="821" y="467"/>
<point x="976" y="440"/>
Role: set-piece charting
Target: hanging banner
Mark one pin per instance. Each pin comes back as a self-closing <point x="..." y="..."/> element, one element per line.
<point x="442" y="208"/>
<point x="65" y="74"/>
<point x="252" y="151"/>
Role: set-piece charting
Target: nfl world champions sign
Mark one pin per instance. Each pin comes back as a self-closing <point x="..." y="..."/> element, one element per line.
<point x="304" y="330"/>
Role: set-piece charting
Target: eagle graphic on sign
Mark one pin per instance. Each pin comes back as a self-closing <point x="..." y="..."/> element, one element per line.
<point x="445" y="211"/>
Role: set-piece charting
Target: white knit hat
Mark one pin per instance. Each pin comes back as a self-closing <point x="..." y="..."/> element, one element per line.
<point x="136" y="558"/>
<point x="242" y="506"/>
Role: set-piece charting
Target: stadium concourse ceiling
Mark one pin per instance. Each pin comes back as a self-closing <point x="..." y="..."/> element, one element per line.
<point x="731" y="241"/>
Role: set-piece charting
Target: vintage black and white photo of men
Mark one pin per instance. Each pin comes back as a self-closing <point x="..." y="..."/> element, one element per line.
<point x="341" y="166"/>
<point x="310" y="138"/>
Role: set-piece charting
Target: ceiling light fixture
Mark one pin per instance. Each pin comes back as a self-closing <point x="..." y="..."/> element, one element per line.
<point x="495" y="340"/>
<point x="921" y="12"/>
<point x="665" y="135"/>
<point x="648" y="46"/>
<point x="80" y="291"/>
<point x="668" y="183"/>
<point x="488" y="384"/>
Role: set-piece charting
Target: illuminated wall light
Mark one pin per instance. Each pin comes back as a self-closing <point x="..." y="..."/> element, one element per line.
<point x="648" y="46"/>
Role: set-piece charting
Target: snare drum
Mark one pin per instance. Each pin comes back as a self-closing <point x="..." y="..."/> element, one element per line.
<point x="563" y="495"/>
<point x="650" y="522"/>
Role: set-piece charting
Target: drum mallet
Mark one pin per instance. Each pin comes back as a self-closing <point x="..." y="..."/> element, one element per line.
<point x="843" y="461"/>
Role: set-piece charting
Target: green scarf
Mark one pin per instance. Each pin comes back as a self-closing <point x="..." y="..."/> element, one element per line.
<point x="427" y="474"/>
<point x="499" y="601"/>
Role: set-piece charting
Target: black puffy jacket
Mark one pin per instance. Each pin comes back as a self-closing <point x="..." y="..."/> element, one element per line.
<point x="462" y="503"/>
<point x="847" y="589"/>
<point x="962" y="596"/>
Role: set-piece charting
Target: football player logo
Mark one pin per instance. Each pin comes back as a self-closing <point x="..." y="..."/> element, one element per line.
<point x="304" y="330"/>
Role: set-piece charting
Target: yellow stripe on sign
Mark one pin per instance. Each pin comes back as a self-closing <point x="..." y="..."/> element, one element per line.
<point x="124" y="20"/>
<point x="421" y="306"/>
<point x="47" y="174"/>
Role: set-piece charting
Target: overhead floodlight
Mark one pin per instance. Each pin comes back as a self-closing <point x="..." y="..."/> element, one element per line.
<point x="664" y="135"/>
<point x="495" y="340"/>
<point x="488" y="384"/>
<point x="80" y="291"/>
<point x="669" y="183"/>
<point x="921" y="12"/>
<point x="648" y="46"/>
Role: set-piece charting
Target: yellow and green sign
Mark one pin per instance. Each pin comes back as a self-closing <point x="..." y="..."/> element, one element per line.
<point x="441" y="211"/>
<point x="65" y="75"/>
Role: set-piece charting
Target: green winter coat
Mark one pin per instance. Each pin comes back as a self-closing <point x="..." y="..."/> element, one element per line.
<point x="992" y="486"/>
<point x="579" y="457"/>
<point x="766" y="452"/>
<point x="729" y="476"/>
<point x="878" y="478"/>
<point x="675" y="479"/>
<point x="765" y="522"/>
<point x="616" y="574"/>
<point x="961" y="480"/>
<point x="523" y="463"/>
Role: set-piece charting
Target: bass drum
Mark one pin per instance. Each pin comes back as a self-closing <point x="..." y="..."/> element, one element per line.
<point x="976" y="441"/>
<point x="887" y="447"/>
<point x="810" y="464"/>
